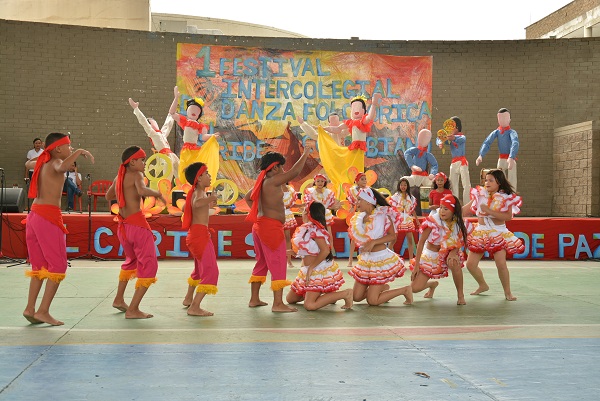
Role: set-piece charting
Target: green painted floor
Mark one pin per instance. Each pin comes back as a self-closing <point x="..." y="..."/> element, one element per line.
<point x="471" y="352"/>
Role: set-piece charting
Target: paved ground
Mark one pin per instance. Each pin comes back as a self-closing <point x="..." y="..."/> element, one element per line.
<point x="545" y="346"/>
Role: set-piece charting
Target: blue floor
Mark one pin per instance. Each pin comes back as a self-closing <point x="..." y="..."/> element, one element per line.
<point x="528" y="369"/>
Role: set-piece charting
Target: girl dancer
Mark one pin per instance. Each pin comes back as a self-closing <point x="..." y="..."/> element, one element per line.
<point x="352" y="195"/>
<point x="494" y="204"/>
<point x="440" y="188"/>
<point x="320" y="193"/>
<point x="405" y="204"/>
<point x="443" y="234"/>
<point x="377" y="265"/>
<point x="289" y="200"/>
<point x="319" y="278"/>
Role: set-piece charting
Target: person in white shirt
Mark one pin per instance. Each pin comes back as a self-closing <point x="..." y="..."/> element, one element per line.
<point x="72" y="184"/>
<point x="33" y="155"/>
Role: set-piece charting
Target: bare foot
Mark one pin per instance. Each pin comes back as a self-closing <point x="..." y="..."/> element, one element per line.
<point x="46" y="318"/>
<point x="122" y="306"/>
<point x="30" y="318"/>
<point x="510" y="297"/>
<point x="199" y="312"/>
<point x="138" y="314"/>
<point x="283" y="308"/>
<point x="348" y="299"/>
<point x="461" y="301"/>
<point x="429" y="294"/>
<point x="349" y="263"/>
<point x="408" y="295"/>
<point x="187" y="301"/>
<point x="482" y="288"/>
<point x="256" y="304"/>
<point x="290" y="265"/>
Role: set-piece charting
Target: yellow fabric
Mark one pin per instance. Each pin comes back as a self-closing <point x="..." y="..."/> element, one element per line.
<point x="192" y="282"/>
<point x="257" y="279"/>
<point x="337" y="160"/>
<point x="56" y="277"/>
<point x="126" y="275"/>
<point x="279" y="284"/>
<point x="207" y="289"/>
<point x="207" y="154"/>
<point x="32" y="273"/>
<point x="145" y="282"/>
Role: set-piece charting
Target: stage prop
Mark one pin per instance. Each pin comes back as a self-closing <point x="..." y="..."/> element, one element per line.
<point x="544" y="238"/>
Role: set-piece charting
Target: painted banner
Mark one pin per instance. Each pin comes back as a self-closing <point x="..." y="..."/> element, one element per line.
<point x="544" y="238"/>
<point x="254" y="97"/>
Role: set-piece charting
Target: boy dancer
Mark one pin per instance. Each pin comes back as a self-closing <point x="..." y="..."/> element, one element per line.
<point x="195" y="219"/>
<point x="268" y="215"/>
<point x="134" y="232"/>
<point x="45" y="232"/>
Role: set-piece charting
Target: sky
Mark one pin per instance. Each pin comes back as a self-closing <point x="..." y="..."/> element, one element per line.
<point x="378" y="19"/>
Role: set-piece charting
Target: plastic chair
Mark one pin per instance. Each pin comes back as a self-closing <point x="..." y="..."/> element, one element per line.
<point x="76" y="197"/>
<point x="98" y="188"/>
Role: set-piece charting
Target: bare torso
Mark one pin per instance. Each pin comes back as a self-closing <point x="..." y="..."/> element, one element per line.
<point x="200" y="213"/>
<point x="50" y="183"/>
<point x="132" y="197"/>
<point x="271" y="201"/>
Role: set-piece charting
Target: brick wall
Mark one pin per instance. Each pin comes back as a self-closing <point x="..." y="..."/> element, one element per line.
<point x="576" y="169"/>
<point x="78" y="79"/>
<point x="560" y="17"/>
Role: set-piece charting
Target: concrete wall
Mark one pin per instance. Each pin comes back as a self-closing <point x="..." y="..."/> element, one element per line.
<point x="577" y="170"/>
<point x="125" y="14"/>
<point x="77" y="79"/>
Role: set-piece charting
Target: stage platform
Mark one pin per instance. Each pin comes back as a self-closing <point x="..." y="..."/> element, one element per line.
<point x="544" y="238"/>
<point x="544" y="346"/>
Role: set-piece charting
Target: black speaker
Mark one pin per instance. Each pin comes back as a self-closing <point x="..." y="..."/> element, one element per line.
<point x="13" y="200"/>
<point x="175" y="196"/>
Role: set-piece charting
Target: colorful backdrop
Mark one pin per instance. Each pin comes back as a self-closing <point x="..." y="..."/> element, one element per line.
<point x="254" y="97"/>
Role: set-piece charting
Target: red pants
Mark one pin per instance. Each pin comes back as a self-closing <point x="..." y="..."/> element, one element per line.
<point x="270" y="257"/>
<point x="140" y="254"/>
<point x="206" y="272"/>
<point x="46" y="245"/>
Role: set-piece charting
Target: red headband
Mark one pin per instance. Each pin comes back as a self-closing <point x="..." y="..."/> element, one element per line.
<point x="321" y="176"/>
<point x="187" y="209"/>
<point x="41" y="160"/>
<point x="121" y="175"/>
<point x="255" y="196"/>
<point x="440" y="174"/>
<point x="315" y="222"/>
<point x="449" y="202"/>
<point x="359" y="176"/>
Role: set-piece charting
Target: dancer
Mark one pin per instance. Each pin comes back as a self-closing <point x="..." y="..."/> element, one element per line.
<point x="268" y="215"/>
<point x="289" y="200"/>
<point x="494" y="205"/>
<point x="319" y="278"/>
<point x="443" y="234"/>
<point x="459" y="167"/>
<point x="45" y="231"/>
<point x="408" y="221"/>
<point x="192" y="129"/>
<point x="157" y="136"/>
<point x="198" y="203"/>
<point x="360" y="182"/>
<point x="377" y="265"/>
<point x="320" y="193"/>
<point x="440" y="188"/>
<point x="134" y="232"/>
<point x="508" y="146"/>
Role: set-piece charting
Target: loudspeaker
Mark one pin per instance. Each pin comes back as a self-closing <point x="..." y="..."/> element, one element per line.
<point x="12" y="200"/>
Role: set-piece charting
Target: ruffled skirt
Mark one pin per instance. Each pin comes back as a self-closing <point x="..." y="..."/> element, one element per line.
<point x="326" y="277"/>
<point x="290" y="221"/>
<point x="376" y="268"/>
<point x="434" y="265"/>
<point x="494" y="238"/>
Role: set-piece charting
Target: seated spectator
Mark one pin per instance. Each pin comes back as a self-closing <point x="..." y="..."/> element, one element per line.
<point x="32" y="155"/>
<point x="72" y="185"/>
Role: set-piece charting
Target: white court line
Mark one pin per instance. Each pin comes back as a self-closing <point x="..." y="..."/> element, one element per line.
<point x="248" y="329"/>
